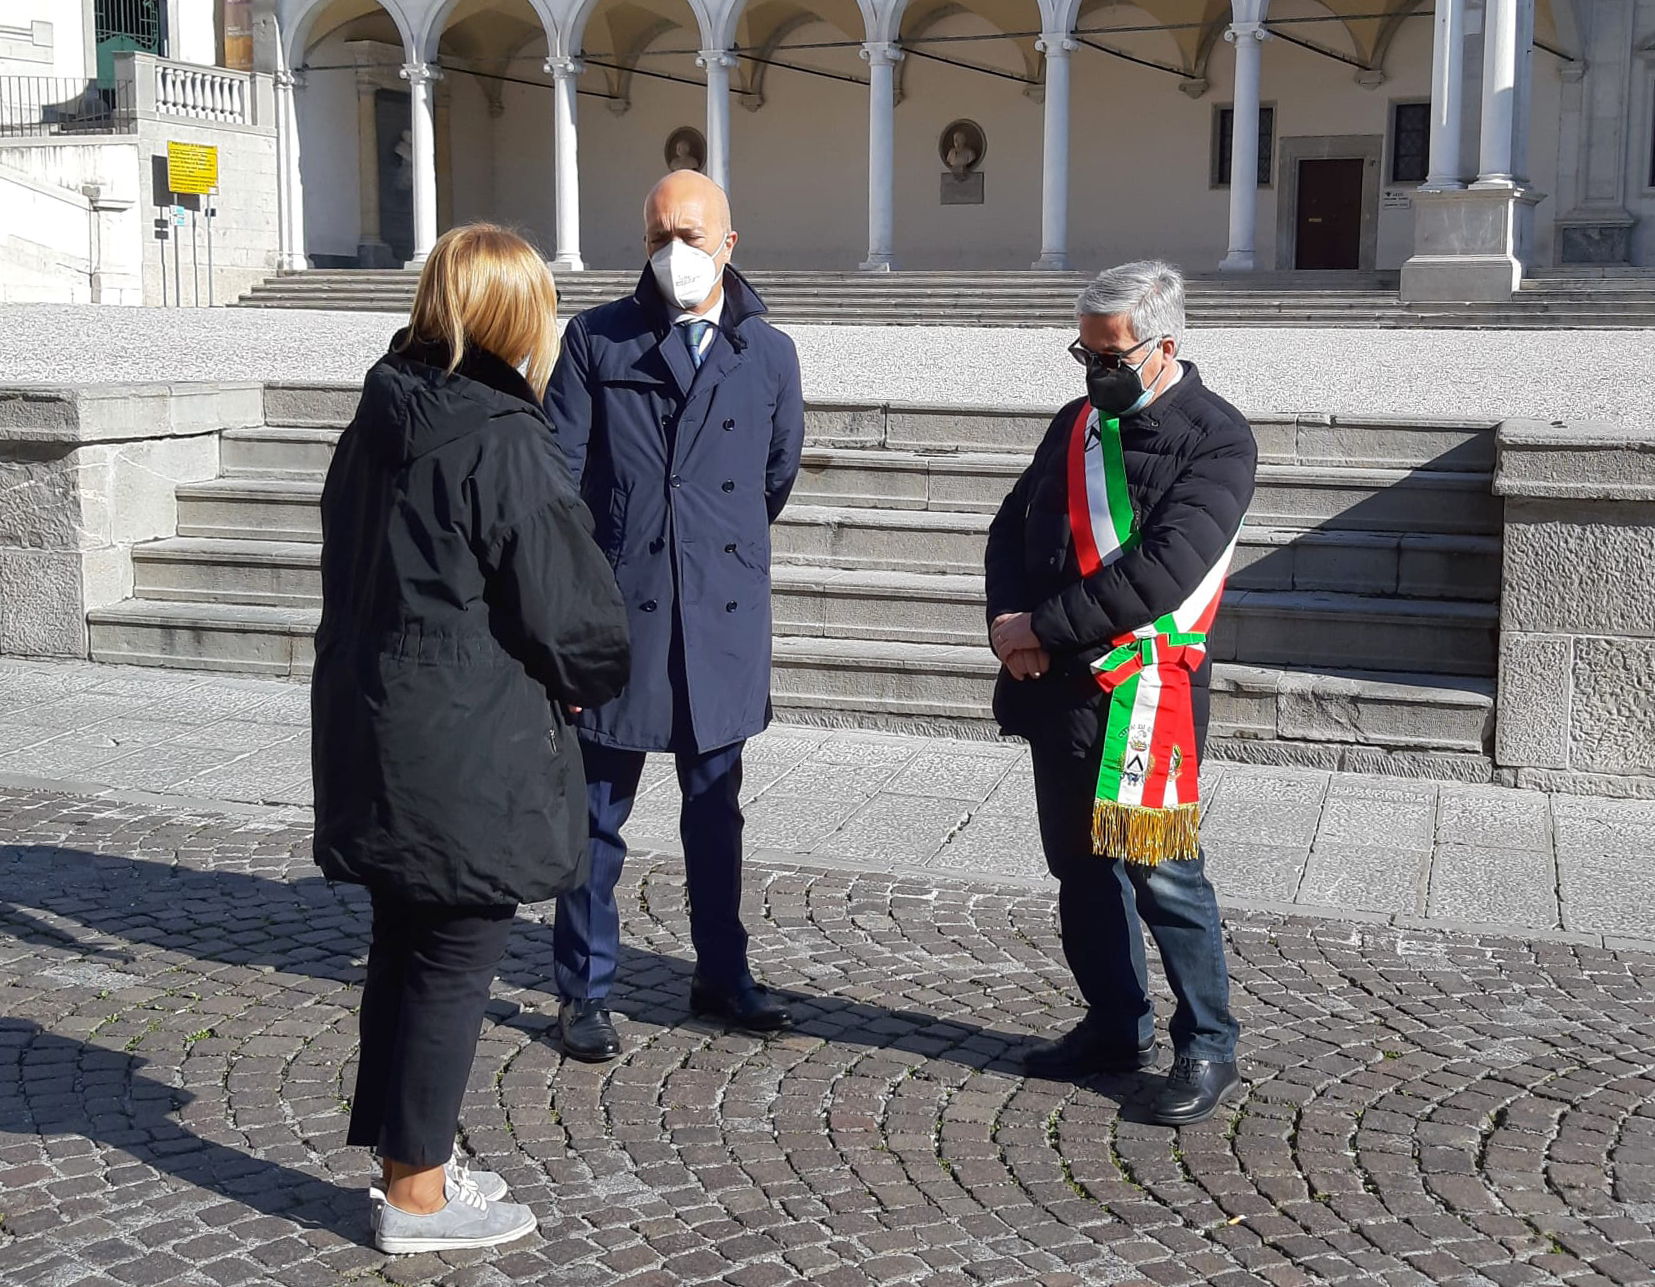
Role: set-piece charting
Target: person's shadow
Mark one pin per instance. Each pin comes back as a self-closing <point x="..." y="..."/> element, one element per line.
<point x="68" y="1087"/>
<point x="307" y="927"/>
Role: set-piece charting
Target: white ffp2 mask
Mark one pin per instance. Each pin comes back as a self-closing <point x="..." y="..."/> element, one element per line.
<point x="685" y="275"/>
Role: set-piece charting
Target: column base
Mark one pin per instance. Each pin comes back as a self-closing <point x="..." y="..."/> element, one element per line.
<point x="876" y="264"/>
<point x="1052" y="262"/>
<point x="374" y="253"/>
<point x="1598" y="236"/>
<point x="568" y="264"/>
<point x="418" y="261"/>
<point x="1469" y="246"/>
<point x="1238" y="261"/>
<point x="291" y="262"/>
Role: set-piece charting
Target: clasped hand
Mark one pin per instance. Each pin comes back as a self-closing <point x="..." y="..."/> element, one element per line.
<point x="1018" y="647"/>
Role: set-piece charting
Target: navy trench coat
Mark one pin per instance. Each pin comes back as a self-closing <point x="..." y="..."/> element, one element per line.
<point x="684" y="470"/>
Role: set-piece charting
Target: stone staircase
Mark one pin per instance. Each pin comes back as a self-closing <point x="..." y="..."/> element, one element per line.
<point x="1048" y="299"/>
<point x="1359" y="630"/>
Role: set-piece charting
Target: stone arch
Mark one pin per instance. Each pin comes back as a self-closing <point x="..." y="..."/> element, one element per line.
<point x="916" y="26"/>
<point x="299" y="23"/>
<point x="752" y="95"/>
<point x="571" y="26"/>
<point x="436" y="22"/>
<point x="1388" y="31"/>
<point x="1169" y="47"/>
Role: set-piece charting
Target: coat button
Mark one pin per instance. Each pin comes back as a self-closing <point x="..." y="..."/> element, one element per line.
<point x="730" y="549"/>
<point x="648" y="605"/>
<point x="677" y="481"/>
<point x="657" y="545"/>
<point x="665" y="421"/>
<point x="729" y="485"/>
<point x="730" y="606"/>
<point x="729" y="424"/>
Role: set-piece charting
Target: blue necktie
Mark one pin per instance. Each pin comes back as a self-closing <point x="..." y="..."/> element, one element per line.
<point x="695" y="334"/>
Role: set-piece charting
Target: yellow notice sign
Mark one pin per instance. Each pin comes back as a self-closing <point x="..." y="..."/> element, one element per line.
<point x="192" y="167"/>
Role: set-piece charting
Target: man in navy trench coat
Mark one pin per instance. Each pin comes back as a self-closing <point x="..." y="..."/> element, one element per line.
<point x="679" y="410"/>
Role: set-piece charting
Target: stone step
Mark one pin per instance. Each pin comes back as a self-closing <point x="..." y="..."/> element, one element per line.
<point x="1261" y="627"/>
<point x="1373" y="500"/>
<point x="241" y="638"/>
<point x="1406" y="565"/>
<point x="1420" y="724"/>
<point x="957" y="492"/>
<point x="275" y="509"/>
<point x="287" y="451"/>
<point x="304" y="424"/>
<point x="1410" y="564"/>
<point x="1300" y="627"/>
<point x="966" y="315"/>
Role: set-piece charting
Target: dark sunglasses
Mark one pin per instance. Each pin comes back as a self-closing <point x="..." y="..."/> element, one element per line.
<point x="1108" y="361"/>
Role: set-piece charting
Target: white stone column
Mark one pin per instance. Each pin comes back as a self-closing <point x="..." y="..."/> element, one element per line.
<point x="1447" y="96"/>
<point x="1247" y="34"/>
<point x="718" y="65"/>
<point x="566" y="73"/>
<point x="882" y="57"/>
<point x="421" y="78"/>
<point x="1054" y="185"/>
<point x="1496" y="152"/>
<point x="290" y="193"/>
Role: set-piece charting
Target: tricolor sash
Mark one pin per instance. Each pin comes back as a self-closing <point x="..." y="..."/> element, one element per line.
<point x="1148" y="804"/>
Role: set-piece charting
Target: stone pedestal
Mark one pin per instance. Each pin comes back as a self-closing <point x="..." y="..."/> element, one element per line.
<point x="88" y="474"/>
<point x="1470" y="246"/>
<point x="1597" y="237"/>
<point x="1577" y="608"/>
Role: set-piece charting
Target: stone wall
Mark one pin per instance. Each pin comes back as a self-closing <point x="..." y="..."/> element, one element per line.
<point x="87" y="474"/>
<point x="1577" y="615"/>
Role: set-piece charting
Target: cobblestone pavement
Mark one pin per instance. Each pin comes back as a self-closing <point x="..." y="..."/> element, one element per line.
<point x="1496" y="374"/>
<point x="1377" y="849"/>
<point x="178" y="991"/>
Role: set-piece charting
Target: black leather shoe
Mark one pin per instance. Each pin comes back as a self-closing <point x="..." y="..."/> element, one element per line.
<point x="588" y="1032"/>
<point x="747" y="1007"/>
<point x="1082" y="1051"/>
<point x="1194" y="1089"/>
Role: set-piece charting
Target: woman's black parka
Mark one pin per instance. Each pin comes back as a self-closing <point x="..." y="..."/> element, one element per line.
<point x="464" y="605"/>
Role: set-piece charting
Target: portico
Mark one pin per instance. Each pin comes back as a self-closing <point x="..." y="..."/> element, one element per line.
<point x="1266" y="135"/>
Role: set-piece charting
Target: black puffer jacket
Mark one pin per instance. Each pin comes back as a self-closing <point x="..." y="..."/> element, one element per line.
<point x="1190" y="460"/>
<point x="464" y="602"/>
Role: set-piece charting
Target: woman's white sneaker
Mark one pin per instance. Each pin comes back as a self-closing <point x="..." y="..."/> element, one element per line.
<point x="468" y="1220"/>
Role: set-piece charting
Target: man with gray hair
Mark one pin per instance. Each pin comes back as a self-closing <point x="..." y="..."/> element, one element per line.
<point x="1105" y="567"/>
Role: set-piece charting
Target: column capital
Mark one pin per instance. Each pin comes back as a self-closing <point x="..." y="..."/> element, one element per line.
<point x="882" y="53"/>
<point x="288" y="80"/>
<point x="1239" y="31"/>
<point x="420" y="73"/>
<point x="709" y="58"/>
<point x="1055" y="44"/>
<point x="564" y="68"/>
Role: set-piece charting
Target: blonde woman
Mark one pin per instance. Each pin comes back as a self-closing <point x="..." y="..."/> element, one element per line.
<point x="465" y="610"/>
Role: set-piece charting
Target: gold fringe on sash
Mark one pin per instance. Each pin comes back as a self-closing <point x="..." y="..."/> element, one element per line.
<point x="1143" y="835"/>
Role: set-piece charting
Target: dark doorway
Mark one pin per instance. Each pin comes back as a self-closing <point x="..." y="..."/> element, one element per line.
<point x="1329" y="215"/>
<point x="393" y="119"/>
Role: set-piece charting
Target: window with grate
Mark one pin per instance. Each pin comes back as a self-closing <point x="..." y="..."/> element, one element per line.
<point x="1225" y="133"/>
<point x="122" y="25"/>
<point x="1410" y="142"/>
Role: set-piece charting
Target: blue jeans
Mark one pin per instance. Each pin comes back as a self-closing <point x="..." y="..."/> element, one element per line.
<point x="1103" y="906"/>
<point x="586" y="938"/>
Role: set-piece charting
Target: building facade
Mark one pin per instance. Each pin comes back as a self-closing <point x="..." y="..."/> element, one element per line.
<point x="1462" y="144"/>
<point x="93" y="95"/>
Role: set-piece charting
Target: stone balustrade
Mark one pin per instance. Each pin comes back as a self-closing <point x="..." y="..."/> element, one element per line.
<point x="201" y="93"/>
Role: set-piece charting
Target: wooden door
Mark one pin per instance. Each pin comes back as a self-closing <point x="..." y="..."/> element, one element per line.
<point x="1329" y="215"/>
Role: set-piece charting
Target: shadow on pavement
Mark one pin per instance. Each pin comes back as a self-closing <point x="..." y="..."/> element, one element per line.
<point x="59" y="1086"/>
